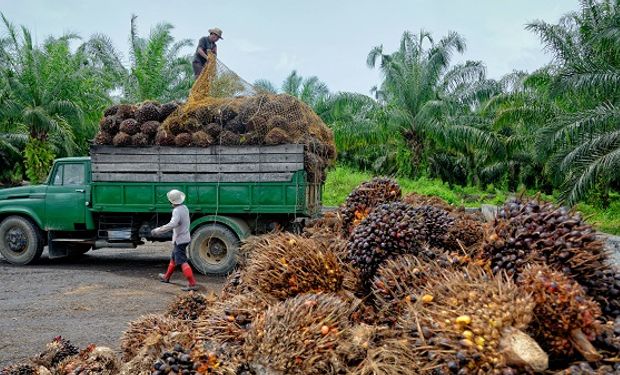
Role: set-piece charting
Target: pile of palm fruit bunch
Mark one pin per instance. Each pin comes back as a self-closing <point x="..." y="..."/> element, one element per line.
<point x="415" y="286"/>
<point x="61" y="357"/>
<point x="208" y="118"/>
<point x="531" y="231"/>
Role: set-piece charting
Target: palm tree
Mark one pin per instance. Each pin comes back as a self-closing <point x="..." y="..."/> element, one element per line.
<point x="38" y="87"/>
<point x="263" y="86"/>
<point x="309" y="90"/>
<point x="585" y="134"/>
<point x="157" y="70"/>
<point x="425" y="97"/>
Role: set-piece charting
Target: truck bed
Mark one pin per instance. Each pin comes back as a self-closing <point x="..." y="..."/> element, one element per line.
<point x="216" y="179"/>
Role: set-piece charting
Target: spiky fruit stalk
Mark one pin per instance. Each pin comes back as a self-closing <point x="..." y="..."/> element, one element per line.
<point x="473" y="321"/>
<point x="284" y="265"/>
<point x="299" y="336"/>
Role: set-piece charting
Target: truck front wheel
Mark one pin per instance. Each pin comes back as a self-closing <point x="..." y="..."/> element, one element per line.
<point x="21" y="241"/>
<point x="213" y="250"/>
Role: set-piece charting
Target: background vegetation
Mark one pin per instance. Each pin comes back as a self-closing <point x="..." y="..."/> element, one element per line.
<point x="444" y="128"/>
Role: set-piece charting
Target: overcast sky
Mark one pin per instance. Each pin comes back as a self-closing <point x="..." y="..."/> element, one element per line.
<point x="329" y="39"/>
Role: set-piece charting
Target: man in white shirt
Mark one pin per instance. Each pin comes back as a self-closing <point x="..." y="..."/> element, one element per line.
<point x="179" y="224"/>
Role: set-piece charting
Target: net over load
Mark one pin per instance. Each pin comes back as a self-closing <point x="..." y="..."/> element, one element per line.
<point x="223" y="109"/>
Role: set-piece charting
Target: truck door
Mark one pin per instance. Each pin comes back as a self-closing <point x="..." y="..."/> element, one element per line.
<point x="65" y="207"/>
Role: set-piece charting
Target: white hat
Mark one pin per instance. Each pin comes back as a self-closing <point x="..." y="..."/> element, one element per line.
<point x="175" y="196"/>
<point x="217" y="31"/>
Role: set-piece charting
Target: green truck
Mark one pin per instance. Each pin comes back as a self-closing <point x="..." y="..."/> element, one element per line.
<point x="117" y="195"/>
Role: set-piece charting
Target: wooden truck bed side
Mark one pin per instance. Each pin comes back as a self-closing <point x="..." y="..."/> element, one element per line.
<point x="216" y="179"/>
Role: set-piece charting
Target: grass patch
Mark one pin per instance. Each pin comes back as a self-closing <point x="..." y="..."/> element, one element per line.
<point x="342" y="180"/>
<point x="605" y="220"/>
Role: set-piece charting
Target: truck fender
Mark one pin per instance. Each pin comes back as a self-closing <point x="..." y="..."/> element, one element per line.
<point x="29" y="214"/>
<point x="237" y="225"/>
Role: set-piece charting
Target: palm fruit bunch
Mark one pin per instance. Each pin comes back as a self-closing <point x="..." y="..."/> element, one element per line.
<point x="416" y="199"/>
<point x="175" y="361"/>
<point x="399" y="282"/>
<point x="190" y="306"/>
<point x="363" y="199"/>
<point x="134" y="338"/>
<point x="150" y="128"/>
<point x="56" y="351"/>
<point x="285" y="265"/>
<point x="565" y="319"/>
<point x="140" y="140"/>
<point x="438" y="221"/>
<point x="24" y="369"/>
<point x="223" y="115"/>
<point x="526" y="231"/>
<point x="608" y="339"/>
<point x="228" y="321"/>
<point x="228" y="138"/>
<point x="129" y="126"/>
<point x="329" y="225"/>
<point x="213" y="130"/>
<point x="466" y="232"/>
<point x="299" y="336"/>
<point x="201" y="139"/>
<point x="153" y="346"/>
<point x="92" y="360"/>
<point x="277" y="136"/>
<point x="394" y="228"/>
<point x="585" y="368"/>
<point x="131" y="120"/>
<point x="210" y="357"/>
<point x="109" y="125"/>
<point x="166" y="110"/>
<point x="147" y="111"/>
<point x="164" y="138"/>
<point x="121" y="139"/>
<point x="471" y="322"/>
<point x="183" y="140"/>
<point x="378" y="350"/>
<point x="103" y="138"/>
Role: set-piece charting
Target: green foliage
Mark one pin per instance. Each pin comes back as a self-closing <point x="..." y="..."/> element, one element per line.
<point x="310" y="90"/>
<point x="157" y="69"/>
<point x="49" y="92"/>
<point x="38" y="158"/>
<point x="604" y="219"/>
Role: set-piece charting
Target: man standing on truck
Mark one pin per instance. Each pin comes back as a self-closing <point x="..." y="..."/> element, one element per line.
<point x="205" y="44"/>
<point x="179" y="224"/>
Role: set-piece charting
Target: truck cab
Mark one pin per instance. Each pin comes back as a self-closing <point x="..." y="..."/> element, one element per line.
<point x="29" y="213"/>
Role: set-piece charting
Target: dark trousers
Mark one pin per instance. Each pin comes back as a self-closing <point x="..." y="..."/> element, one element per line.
<point x="178" y="253"/>
<point x="197" y="68"/>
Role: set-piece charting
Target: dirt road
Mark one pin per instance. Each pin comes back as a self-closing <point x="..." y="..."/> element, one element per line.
<point x="89" y="300"/>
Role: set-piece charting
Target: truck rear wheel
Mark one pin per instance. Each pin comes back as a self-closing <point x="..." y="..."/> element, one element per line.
<point x="21" y="241"/>
<point x="213" y="250"/>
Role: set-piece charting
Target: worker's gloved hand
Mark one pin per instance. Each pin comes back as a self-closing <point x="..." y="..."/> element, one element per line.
<point x="155" y="232"/>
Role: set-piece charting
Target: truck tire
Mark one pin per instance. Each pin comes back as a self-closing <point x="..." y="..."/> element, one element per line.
<point x="213" y="250"/>
<point x="21" y="242"/>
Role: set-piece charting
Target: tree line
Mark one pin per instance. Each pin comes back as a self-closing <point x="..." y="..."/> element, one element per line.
<point x="556" y="129"/>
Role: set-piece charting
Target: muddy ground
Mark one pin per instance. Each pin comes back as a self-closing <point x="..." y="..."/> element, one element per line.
<point x="89" y="300"/>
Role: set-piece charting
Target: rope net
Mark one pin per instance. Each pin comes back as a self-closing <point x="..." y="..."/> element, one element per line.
<point x="223" y="109"/>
